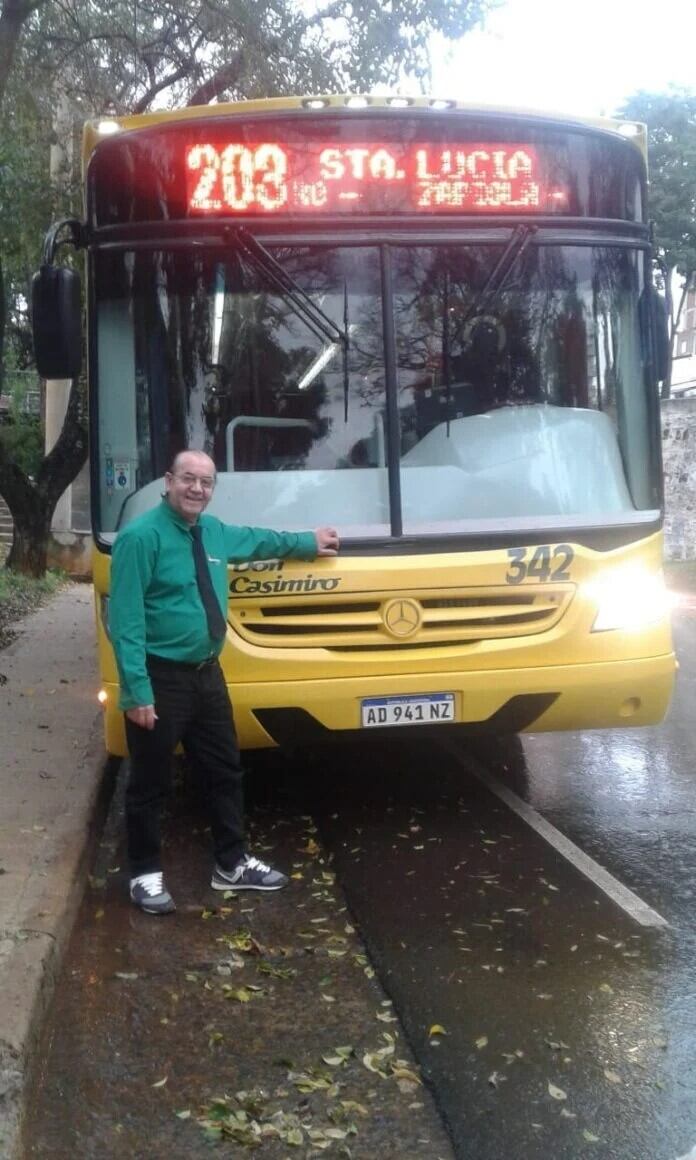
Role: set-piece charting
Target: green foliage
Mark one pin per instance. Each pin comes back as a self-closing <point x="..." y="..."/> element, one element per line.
<point x="21" y="438"/>
<point x="123" y="57"/>
<point x="24" y="189"/>
<point x="25" y="210"/>
<point x="22" y="442"/>
<point x="25" y="592"/>
<point x="20" y="595"/>
<point x="671" y="121"/>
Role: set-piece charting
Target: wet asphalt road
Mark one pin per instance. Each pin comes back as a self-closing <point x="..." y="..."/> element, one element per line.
<point x="566" y="1030"/>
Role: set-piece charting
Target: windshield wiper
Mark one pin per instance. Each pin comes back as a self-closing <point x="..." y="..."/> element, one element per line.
<point x="319" y="323"/>
<point x="517" y="244"/>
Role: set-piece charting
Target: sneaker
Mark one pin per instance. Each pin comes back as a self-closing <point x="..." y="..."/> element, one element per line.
<point x="249" y="874"/>
<point x="149" y="893"/>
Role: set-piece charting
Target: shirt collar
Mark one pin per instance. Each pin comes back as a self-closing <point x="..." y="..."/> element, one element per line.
<point x="174" y="516"/>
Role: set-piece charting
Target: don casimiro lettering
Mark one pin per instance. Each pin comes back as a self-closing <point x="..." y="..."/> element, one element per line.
<point x="253" y="579"/>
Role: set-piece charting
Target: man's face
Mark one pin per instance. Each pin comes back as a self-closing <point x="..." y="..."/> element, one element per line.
<point x="190" y="486"/>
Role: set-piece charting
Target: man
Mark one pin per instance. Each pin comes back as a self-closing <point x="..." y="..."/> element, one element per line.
<point x="167" y="625"/>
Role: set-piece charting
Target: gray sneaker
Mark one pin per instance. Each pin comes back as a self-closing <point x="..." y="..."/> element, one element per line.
<point x="249" y="874"/>
<point x="149" y="892"/>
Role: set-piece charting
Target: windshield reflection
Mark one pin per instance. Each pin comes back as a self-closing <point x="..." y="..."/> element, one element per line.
<point x="520" y="388"/>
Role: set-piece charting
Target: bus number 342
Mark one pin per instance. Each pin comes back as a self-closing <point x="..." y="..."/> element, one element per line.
<point x="542" y="564"/>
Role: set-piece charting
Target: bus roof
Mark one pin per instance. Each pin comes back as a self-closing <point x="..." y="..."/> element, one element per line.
<point x="95" y="130"/>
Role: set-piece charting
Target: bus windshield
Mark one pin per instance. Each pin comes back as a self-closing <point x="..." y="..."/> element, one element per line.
<point x="519" y="401"/>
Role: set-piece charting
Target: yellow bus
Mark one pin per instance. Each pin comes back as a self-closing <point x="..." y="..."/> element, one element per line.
<point x="430" y="324"/>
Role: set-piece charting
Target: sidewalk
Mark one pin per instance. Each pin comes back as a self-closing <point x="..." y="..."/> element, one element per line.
<point x="52" y="771"/>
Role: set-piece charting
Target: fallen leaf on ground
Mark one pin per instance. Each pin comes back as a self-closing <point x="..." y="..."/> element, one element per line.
<point x="612" y="1076"/>
<point x="339" y="1056"/>
<point x="241" y="994"/>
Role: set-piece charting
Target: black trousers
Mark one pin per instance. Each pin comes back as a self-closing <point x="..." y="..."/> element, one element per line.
<point x="193" y="708"/>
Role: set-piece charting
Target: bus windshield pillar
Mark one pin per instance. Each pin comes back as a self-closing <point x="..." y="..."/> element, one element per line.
<point x="391" y="393"/>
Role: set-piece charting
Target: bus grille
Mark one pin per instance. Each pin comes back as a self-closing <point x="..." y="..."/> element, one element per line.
<point x="464" y="617"/>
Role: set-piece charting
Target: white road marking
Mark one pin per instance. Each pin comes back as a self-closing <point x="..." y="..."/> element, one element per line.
<point x="620" y="894"/>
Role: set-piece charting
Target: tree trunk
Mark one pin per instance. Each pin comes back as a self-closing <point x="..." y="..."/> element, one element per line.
<point x="13" y="14"/>
<point x="32" y="527"/>
<point x="666" y="388"/>
<point x="2" y="326"/>
<point x="31" y="518"/>
<point x="32" y="504"/>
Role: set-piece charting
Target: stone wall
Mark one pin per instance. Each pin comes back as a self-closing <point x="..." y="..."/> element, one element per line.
<point x="72" y="553"/>
<point x="679" y="455"/>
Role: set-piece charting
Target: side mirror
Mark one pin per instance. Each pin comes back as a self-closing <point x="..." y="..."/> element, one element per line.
<point x="57" y="322"/>
<point x="658" y="310"/>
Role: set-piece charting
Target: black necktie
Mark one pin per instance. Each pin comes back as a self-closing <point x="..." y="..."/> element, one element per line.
<point x="216" y="621"/>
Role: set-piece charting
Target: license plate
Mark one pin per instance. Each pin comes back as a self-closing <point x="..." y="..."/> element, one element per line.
<point x="416" y="709"/>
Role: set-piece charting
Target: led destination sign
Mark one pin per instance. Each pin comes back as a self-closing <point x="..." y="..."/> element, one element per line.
<point x="322" y="177"/>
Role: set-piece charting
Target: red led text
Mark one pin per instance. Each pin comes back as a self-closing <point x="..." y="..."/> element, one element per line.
<point x="271" y="178"/>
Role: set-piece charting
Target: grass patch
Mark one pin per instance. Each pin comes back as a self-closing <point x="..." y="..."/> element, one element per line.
<point x="20" y="595"/>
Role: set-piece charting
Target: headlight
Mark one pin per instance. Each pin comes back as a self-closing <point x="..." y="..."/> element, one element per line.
<point x="628" y="598"/>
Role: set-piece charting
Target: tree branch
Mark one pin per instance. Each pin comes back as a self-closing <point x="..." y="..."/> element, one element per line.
<point x="12" y="16"/>
<point x="682" y="299"/>
<point x="216" y="85"/>
<point x="142" y="105"/>
<point x="20" y="10"/>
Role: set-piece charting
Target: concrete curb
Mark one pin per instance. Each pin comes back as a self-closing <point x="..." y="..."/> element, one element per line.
<point x="55" y="786"/>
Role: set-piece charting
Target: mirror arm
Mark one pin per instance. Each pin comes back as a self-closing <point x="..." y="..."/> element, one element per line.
<point x="77" y="237"/>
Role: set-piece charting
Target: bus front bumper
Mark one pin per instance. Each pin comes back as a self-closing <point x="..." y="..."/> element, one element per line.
<point x="569" y="697"/>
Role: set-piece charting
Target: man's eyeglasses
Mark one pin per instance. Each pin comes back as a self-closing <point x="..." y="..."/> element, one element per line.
<point x="206" y="481"/>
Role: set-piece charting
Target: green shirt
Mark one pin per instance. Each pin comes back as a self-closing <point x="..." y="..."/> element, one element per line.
<point x="155" y="604"/>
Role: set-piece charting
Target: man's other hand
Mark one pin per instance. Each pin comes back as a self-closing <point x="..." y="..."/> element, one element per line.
<point x="144" y="716"/>
<point x="327" y="541"/>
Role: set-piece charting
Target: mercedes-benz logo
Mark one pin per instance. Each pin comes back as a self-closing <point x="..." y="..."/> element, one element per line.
<point x="402" y="617"/>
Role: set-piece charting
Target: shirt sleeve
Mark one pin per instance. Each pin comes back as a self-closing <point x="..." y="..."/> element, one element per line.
<point x="263" y="544"/>
<point x="132" y="564"/>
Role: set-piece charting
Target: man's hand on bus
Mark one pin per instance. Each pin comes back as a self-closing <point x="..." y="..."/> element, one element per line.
<point x="327" y="541"/>
<point x="143" y="715"/>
